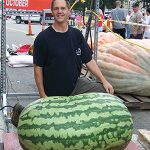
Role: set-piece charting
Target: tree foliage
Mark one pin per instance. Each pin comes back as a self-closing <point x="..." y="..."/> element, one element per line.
<point x="146" y="3"/>
<point x="109" y="4"/>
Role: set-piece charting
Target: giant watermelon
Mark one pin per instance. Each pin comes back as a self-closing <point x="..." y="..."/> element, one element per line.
<point x="91" y="121"/>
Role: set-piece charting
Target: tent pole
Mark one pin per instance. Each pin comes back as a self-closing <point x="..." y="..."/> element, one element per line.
<point x="3" y="59"/>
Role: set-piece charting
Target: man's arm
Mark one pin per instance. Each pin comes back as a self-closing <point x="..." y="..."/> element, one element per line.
<point x="112" y="18"/>
<point x="38" y="75"/>
<point x="94" y="69"/>
<point x="124" y="19"/>
<point x="136" y="27"/>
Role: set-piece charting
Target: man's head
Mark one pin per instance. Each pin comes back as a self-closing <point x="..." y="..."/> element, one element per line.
<point x="118" y="3"/>
<point x="129" y="12"/>
<point x="148" y="11"/>
<point x="60" y="10"/>
<point x="135" y="7"/>
<point x="67" y="3"/>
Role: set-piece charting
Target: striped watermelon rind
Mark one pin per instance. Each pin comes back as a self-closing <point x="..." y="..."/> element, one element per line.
<point x="87" y="121"/>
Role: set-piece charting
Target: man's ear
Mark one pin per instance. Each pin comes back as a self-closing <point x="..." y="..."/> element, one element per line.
<point x="69" y="13"/>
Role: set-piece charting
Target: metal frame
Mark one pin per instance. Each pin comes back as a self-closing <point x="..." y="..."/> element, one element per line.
<point x="96" y="30"/>
<point x="94" y="7"/>
<point x="3" y="58"/>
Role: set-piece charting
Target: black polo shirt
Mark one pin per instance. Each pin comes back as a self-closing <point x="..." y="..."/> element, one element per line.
<point x="61" y="56"/>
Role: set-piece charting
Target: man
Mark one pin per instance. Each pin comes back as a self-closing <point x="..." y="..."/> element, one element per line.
<point x="59" y="52"/>
<point x="118" y="14"/>
<point x="100" y="22"/>
<point x="147" y="22"/>
<point x="128" y="26"/>
<point x="78" y="20"/>
<point x="136" y="31"/>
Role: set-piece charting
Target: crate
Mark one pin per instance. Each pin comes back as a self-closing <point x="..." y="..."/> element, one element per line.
<point x="134" y="101"/>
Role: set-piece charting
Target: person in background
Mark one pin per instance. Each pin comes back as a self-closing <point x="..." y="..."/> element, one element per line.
<point x="147" y="22"/>
<point x="127" y="25"/>
<point x="118" y="14"/>
<point x="58" y="56"/>
<point x="78" y="20"/>
<point x="136" y="31"/>
<point x="72" y="18"/>
<point x="100" y="22"/>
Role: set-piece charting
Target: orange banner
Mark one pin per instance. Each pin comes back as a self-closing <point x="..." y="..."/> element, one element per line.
<point x="27" y="4"/>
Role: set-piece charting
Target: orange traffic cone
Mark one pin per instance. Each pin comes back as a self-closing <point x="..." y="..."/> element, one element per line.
<point x="29" y="28"/>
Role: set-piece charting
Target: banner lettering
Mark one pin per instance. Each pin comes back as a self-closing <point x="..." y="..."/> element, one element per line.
<point x="27" y="4"/>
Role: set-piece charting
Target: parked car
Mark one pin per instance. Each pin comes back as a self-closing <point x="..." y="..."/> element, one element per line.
<point x="23" y="16"/>
<point x="46" y="16"/>
<point x="107" y="14"/>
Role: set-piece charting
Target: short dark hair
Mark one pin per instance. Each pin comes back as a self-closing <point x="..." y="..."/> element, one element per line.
<point x="118" y="3"/>
<point x="135" y="4"/>
<point x="148" y="10"/>
<point x="67" y="3"/>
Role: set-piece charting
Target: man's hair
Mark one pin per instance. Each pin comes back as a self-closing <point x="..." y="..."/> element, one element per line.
<point x="136" y="4"/>
<point x="148" y="10"/>
<point x="67" y="3"/>
<point x="118" y="3"/>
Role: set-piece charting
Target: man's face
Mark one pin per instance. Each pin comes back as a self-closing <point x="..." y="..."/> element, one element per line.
<point x="60" y="11"/>
<point x="129" y="12"/>
<point x="135" y="9"/>
<point x="147" y="13"/>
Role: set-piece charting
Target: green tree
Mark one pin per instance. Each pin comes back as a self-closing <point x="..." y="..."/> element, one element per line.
<point x="0" y="4"/>
<point x="146" y="3"/>
<point x="109" y="4"/>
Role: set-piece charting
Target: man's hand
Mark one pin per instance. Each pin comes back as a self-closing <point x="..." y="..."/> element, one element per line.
<point x="43" y="96"/>
<point x="134" y="34"/>
<point x="134" y="31"/>
<point x="95" y="70"/>
<point x="108" y="87"/>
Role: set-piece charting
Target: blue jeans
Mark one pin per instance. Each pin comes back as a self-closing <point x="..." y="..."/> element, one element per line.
<point x="127" y="31"/>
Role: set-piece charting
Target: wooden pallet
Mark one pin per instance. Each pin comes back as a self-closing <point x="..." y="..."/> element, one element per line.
<point x="144" y="138"/>
<point x="134" y="101"/>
